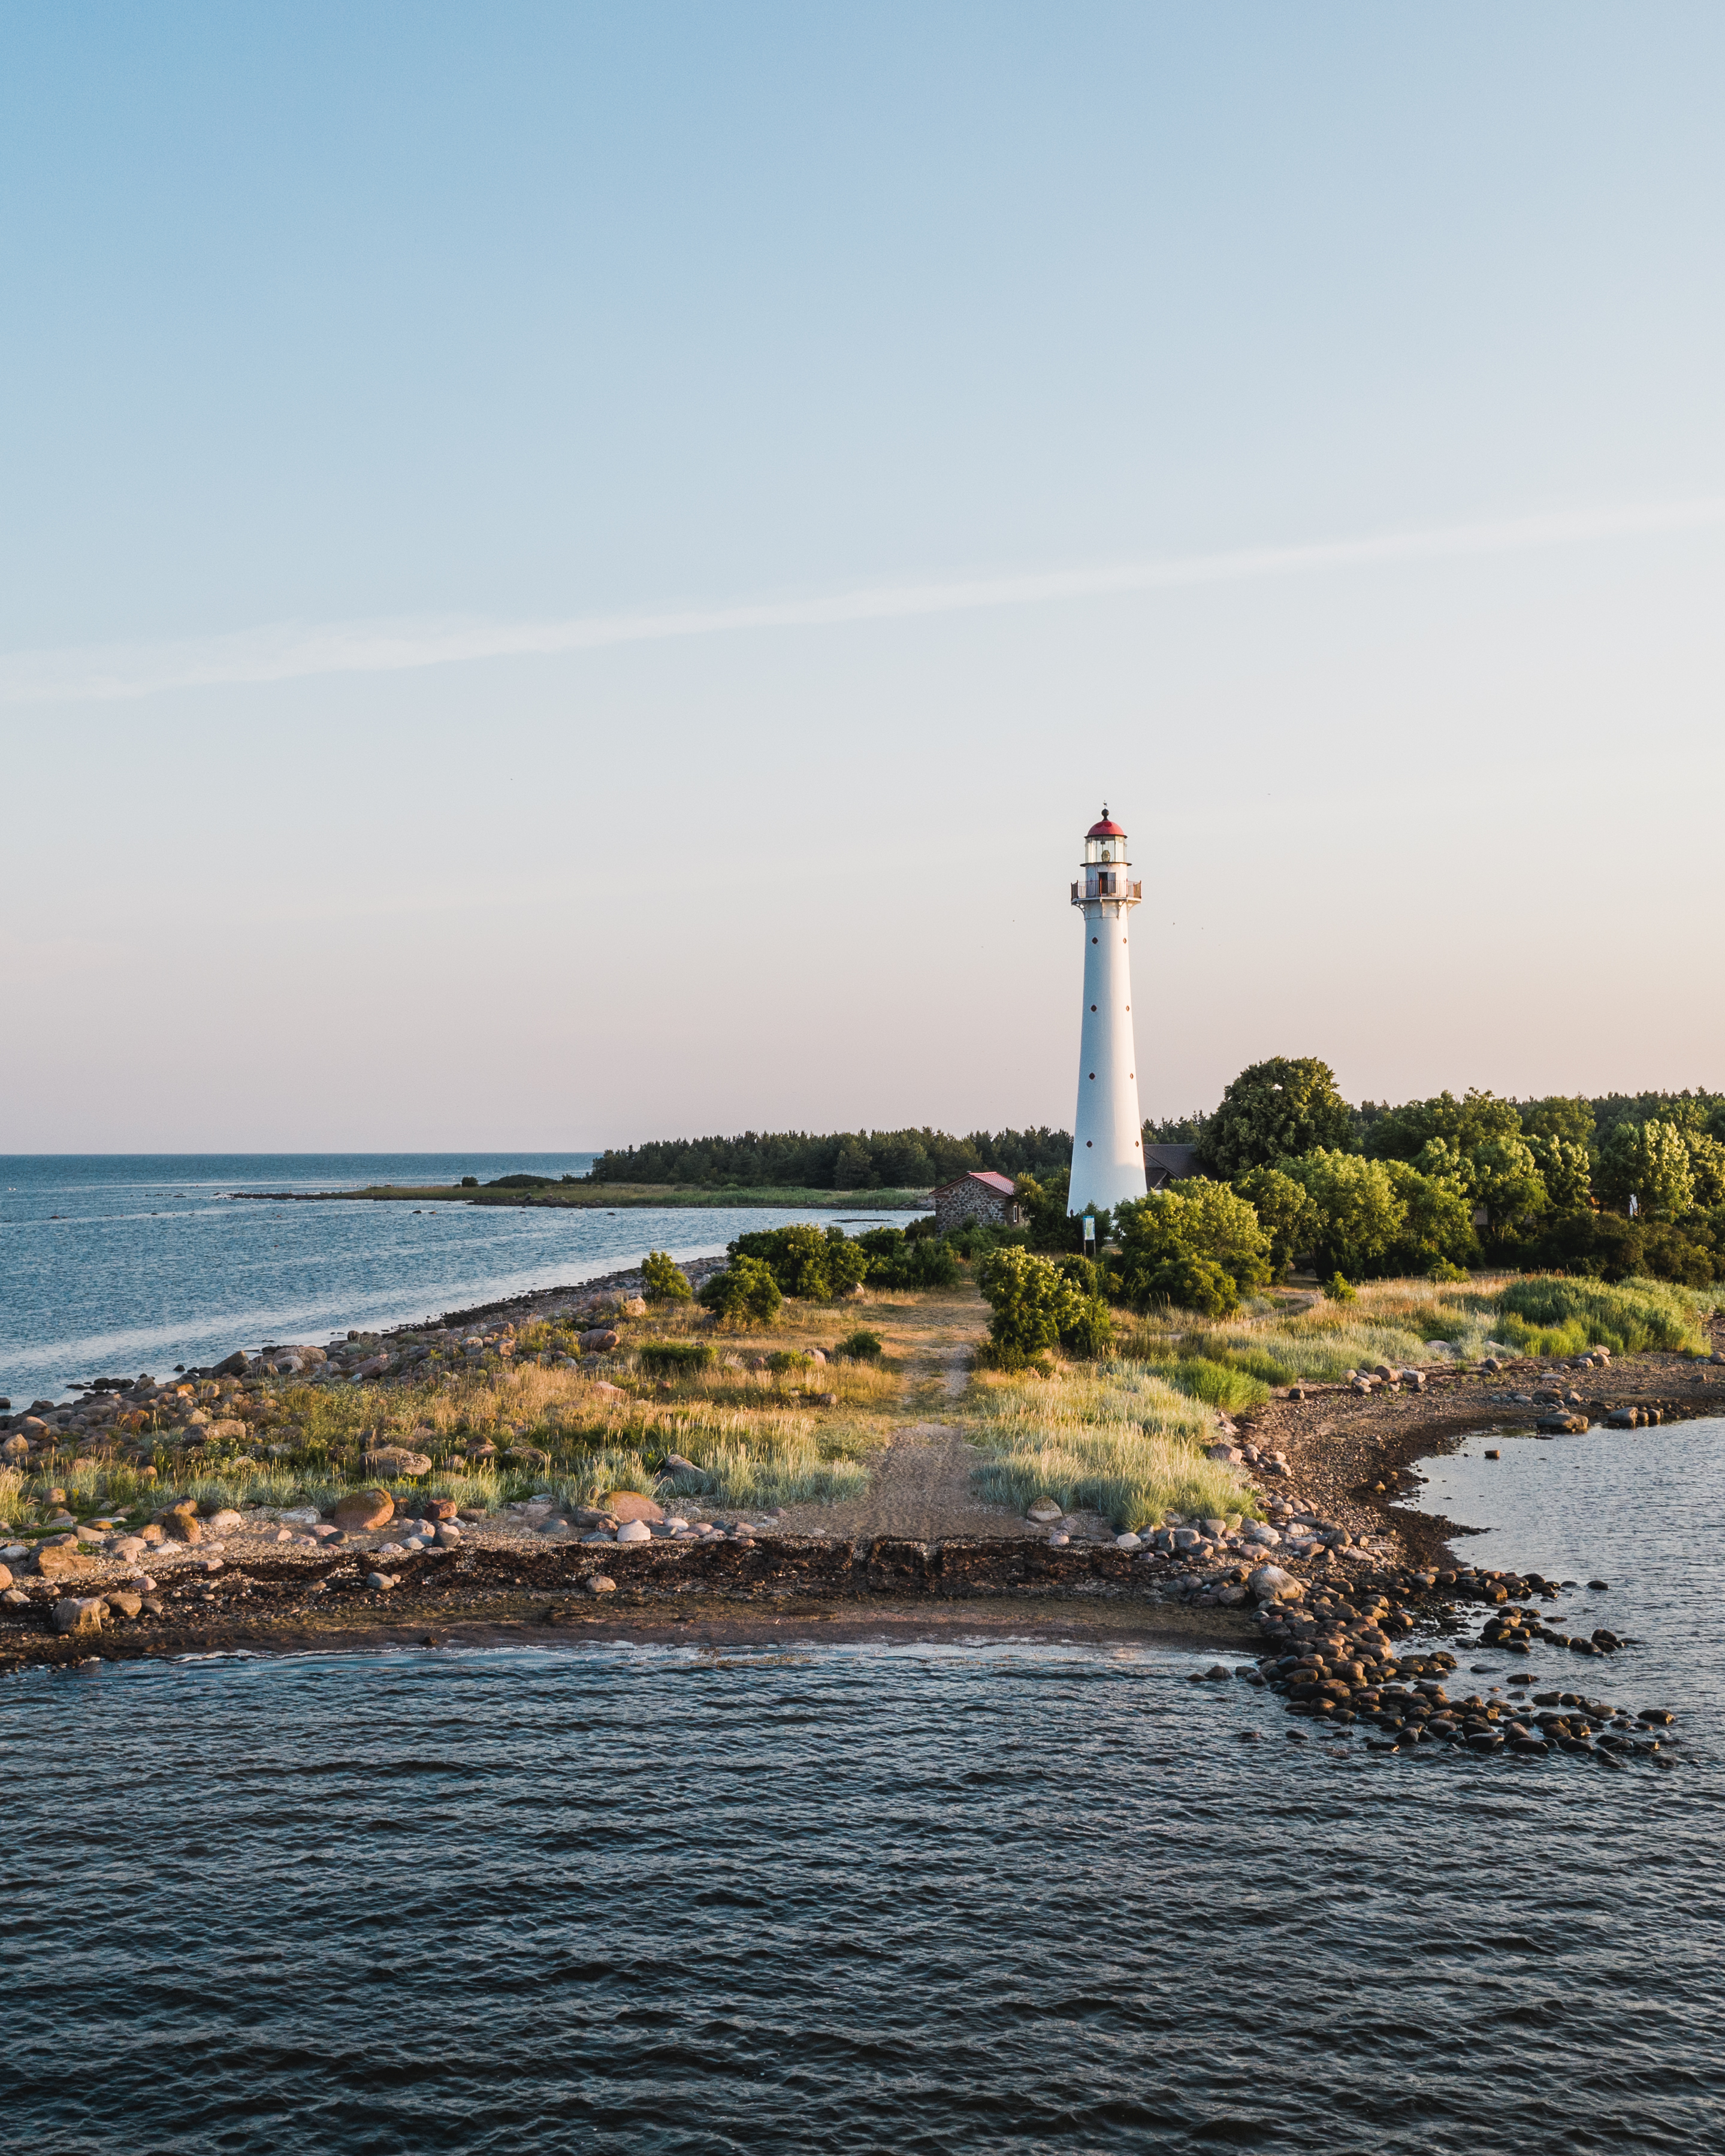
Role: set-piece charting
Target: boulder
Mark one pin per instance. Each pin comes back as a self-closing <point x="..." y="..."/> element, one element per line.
<point x="1268" y="1583"/>
<point x="124" y="1602"/>
<point x="631" y="1505"/>
<point x="599" y="1342"/>
<point x="1043" y="1511"/>
<point x="224" y="1523"/>
<point x="380" y="1579"/>
<point x="1127" y="1542"/>
<point x="598" y="1584"/>
<point x="234" y="1366"/>
<point x="183" y="1525"/>
<point x="633" y="1306"/>
<point x="5" y="1579"/>
<point x="65" y="1562"/>
<point x="1230" y="1455"/>
<point x="364" y="1510"/>
<point x="439" y="1508"/>
<point x="678" y="1465"/>
<point x="635" y="1531"/>
<point x="396" y="1460"/>
<point x="80" y="1613"/>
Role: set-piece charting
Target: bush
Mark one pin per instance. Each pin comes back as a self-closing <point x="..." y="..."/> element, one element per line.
<point x="1440" y="1270"/>
<point x="1285" y="1213"/>
<point x="1196" y="1245"/>
<point x="745" y="1291"/>
<point x="1049" y="1226"/>
<point x="470" y="1183"/>
<point x="813" y="1264"/>
<point x="1035" y="1308"/>
<point x="862" y="1346"/>
<point x="677" y="1359"/>
<point x="1088" y="1332"/>
<point x="1340" y="1288"/>
<point x="898" y="1260"/>
<point x="664" y="1279"/>
<point x="783" y="1359"/>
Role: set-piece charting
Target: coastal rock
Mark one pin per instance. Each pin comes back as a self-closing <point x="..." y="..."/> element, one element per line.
<point x="631" y="1505"/>
<point x="15" y="1596"/>
<point x="381" y="1580"/>
<point x="599" y="1342"/>
<point x="1127" y="1542"/>
<point x="607" y="1391"/>
<point x="447" y="1535"/>
<point x="225" y="1523"/>
<point x="127" y="1604"/>
<point x="396" y="1460"/>
<point x="1268" y="1583"/>
<point x="181" y="1524"/>
<point x="598" y="1584"/>
<point x="633" y="1305"/>
<point x="1043" y="1512"/>
<point x="5" y="1578"/>
<point x="364" y="1510"/>
<point x="635" y="1531"/>
<point x="80" y="1613"/>
<point x="439" y="1508"/>
<point x="66" y="1561"/>
<point x="1229" y="1455"/>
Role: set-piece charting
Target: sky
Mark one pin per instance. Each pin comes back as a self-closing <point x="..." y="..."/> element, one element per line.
<point x="575" y="574"/>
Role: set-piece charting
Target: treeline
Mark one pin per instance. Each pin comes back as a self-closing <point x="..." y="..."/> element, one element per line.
<point x="836" y="1160"/>
<point x="1627" y="1183"/>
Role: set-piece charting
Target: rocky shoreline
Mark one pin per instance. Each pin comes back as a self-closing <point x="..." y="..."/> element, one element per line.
<point x="1345" y="1600"/>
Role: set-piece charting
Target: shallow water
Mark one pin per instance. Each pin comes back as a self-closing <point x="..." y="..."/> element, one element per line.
<point x="874" y="1897"/>
<point x="112" y="1264"/>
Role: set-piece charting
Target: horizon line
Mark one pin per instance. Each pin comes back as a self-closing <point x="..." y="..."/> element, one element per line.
<point x="296" y="650"/>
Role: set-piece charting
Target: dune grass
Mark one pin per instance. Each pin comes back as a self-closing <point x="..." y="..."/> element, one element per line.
<point x="1112" y="1437"/>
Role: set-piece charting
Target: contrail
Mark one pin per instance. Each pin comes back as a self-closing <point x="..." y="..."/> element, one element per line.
<point x="293" y="650"/>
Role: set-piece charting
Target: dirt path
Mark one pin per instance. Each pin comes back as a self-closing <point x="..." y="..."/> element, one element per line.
<point x="921" y="1476"/>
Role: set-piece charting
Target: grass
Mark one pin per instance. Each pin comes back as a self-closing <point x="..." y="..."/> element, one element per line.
<point x="1113" y="1437"/>
<point x="1549" y="1316"/>
<point x="616" y="1197"/>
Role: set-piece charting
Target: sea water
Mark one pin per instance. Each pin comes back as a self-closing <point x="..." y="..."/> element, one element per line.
<point x="112" y="1264"/>
<point x="990" y="1894"/>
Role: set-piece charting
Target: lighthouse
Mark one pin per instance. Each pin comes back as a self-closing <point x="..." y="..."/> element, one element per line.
<point x="1108" y="1140"/>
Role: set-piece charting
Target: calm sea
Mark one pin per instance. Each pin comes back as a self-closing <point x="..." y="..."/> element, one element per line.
<point x="113" y="1264"/>
<point x="890" y="1899"/>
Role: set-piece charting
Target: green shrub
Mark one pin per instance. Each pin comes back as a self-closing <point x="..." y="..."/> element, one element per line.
<point x="1285" y="1213"/>
<point x="813" y="1264"/>
<point x="675" y="1358"/>
<point x="1028" y="1300"/>
<point x="470" y="1183"/>
<point x="664" y="1279"/>
<point x="1087" y="1330"/>
<point x="897" y="1258"/>
<point x="862" y="1346"/>
<point x="1340" y="1288"/>
<point x="1441" y="1270"/>
<point x="745" y="1291"/>
<point x="1196" y="1246"/>
<point x="783" y="1359"/>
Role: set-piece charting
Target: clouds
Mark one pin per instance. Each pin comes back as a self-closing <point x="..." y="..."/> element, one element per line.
<point x="297" y="651"/>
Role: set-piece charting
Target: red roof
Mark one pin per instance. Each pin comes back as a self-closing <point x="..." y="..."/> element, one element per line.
<point x="1105" y="830"/>
<point x="1003" y="1183"/>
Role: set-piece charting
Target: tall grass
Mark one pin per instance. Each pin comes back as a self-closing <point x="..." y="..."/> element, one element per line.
<point x="1544" y="1315"/>
<point x="1114" y="1438"/>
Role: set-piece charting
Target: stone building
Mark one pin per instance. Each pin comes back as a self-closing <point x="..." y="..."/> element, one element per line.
<point x="981" y="1195"/>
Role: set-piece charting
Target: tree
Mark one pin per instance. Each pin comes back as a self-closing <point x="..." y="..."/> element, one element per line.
<point x="1033" y="1307"/>
<point x="1706" y="1168"/>
<point x="1566" y="1169"/>
<point x="1570" y="1122"/>
<point x="745" y="1291"/>
<point x="1289" y="1104"/>
<point x="853" y="1169"/>
<point x="1197" y="1245"/>
<point x="1051" y="1226"/>
<point x="1464" y="1126"/>
<point x="1649" y="1162"/>
<point x="815" y="1264"/>
<point x="1362" y="1218"/>
<point x="1507" y="1183"/>
<point x="1437" y="1225"/>
<point x="664" y="1279"/>
<point x="1286" y="1213"/>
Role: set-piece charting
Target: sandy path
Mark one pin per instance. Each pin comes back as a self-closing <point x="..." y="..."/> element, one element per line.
<point x="922" y="1484"/>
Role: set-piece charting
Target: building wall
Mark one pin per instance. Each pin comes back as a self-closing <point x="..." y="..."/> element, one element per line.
<point x="974" y="1201"/>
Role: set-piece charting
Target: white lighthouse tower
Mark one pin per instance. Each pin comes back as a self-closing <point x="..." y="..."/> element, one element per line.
<point x="1108" y="1137"/>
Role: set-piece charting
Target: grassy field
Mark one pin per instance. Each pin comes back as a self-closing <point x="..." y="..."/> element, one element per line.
<point x="617" y="1197"/>
<point x="1124" y="1436"/>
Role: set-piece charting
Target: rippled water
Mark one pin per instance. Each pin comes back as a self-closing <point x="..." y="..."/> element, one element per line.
<point x="876" y="1897"/>
<point x="112" y="1264"/>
